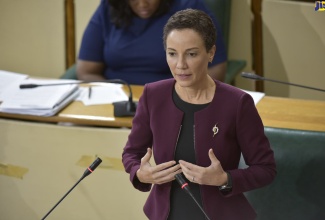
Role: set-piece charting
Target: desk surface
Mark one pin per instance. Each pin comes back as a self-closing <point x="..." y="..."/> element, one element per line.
<point x="292" y="113"/>
<point x="275" y="112"/>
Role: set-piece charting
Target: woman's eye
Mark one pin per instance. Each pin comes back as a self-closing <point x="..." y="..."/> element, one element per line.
<point x="192" y="54"/>
<point x="171" y="54"/>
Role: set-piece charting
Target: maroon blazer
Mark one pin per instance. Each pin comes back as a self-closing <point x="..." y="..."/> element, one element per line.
<point x="157" y="124"/>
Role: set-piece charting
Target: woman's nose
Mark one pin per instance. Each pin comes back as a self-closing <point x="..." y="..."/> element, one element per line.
<point x="181" y="63"/>
<point x="142" y="3"/>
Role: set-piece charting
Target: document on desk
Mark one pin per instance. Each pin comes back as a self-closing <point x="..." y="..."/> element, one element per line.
<point x="40" y="101"/>
<point x="8" y="79"/>
<point x="105" y="94"/>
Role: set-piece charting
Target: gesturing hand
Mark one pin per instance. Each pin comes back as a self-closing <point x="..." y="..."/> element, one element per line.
<point x="213" y="175"/>
<point x="159" y="174"/>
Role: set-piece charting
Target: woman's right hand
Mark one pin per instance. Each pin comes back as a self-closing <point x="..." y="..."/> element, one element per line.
<point x="159" y="174"/>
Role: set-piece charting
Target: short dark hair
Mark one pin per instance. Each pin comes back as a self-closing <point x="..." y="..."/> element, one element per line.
<point x="196" y="20"/>
<point x="121" y="13"/>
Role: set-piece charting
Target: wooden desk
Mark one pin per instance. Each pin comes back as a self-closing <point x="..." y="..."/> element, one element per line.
<point x="275" y="112"/>
<point x="78" y="113"/>
<point x="292" y="113"/>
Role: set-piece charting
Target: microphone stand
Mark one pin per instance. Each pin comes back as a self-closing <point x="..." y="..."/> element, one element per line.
<point x="257" y="77"/>
<point x="88" y="171"/>
<point x="125" y="108"/>
<point x="62" y="198"/>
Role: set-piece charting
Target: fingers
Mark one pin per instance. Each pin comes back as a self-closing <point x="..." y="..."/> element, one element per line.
<point x="168" y="174"/>
<point x="187" y="166"/>
<point x="160" y="176"/>
<point x="191" y="170"/>
<point x="212" y="156"/>
<point x="162" y="173"/>
<point x="203" y="175"/>
<point x="146" y="158"/>
<point x="214" y="160"/>
<point x="165" y="172"/>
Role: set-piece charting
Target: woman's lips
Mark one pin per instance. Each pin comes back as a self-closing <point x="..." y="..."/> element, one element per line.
<point x="144" y="13"/>
<point x="183" y="76"/>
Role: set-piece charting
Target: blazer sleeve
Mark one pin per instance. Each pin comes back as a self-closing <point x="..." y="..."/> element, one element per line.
<point x="255" y="147"/>
<point x="140" y="138"/>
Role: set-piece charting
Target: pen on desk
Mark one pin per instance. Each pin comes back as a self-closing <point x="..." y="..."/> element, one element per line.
<point x="89" y="92"/>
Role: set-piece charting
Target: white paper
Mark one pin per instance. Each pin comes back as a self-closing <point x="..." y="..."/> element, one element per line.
<point x="43" y="112"/>
<point x="39" y="97"/>
<point x="8" y="79"/>
<point x="42" y="100"/>
<point x="257" y="96"/>
<point x="106" y="94"/>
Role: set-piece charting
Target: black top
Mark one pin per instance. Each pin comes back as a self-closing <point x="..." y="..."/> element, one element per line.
<point x="182" y="206"/>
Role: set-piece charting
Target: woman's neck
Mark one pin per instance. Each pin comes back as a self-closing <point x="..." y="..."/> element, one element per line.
<point x="201" y="94"/>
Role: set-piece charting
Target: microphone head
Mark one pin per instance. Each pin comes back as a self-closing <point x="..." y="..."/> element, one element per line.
<point x="179" y="178"/>
<point x="92" y="167"/>
<point x="28" y="86"/>
<point x="181" y="181"/>
<point x="95" y="164"/>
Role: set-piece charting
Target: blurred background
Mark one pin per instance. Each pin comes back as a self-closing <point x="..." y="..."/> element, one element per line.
<point x="32" y="41"/>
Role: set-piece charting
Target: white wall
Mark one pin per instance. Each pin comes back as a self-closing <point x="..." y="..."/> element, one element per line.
<point x="294" y="48"/>
<point x="240" y="43"/>
<point x="32" y="37"/>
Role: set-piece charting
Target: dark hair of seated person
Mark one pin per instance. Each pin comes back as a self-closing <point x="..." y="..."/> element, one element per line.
<point x="121" y="14"/>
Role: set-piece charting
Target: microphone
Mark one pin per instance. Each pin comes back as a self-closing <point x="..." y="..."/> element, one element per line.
<point x="92" y="167"/>
<point x="121" y="109"/>
<point x="184" y="185"/>
<point x="88" y="171"/>
<point x="32" y="85"/>
<point x="257" y="77"/>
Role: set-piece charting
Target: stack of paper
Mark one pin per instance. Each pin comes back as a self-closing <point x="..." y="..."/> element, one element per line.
<point x="9" y="79"/>
<point x="41" y="101"/>
<point x="106" y="93"/>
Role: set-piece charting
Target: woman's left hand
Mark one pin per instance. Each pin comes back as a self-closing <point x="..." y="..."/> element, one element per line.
<point x="213" y="175"/>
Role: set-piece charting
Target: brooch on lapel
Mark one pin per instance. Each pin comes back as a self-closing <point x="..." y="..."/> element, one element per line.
<point x="215" y="129"/>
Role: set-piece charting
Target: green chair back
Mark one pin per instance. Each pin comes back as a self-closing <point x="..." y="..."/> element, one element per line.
<point x="70" y="73"/>
<point x="222" y="11"/>
<point x="298" y="189"/>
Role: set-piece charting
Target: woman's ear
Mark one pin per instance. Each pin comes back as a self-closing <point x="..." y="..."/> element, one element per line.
<point x="211" y="52"/>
